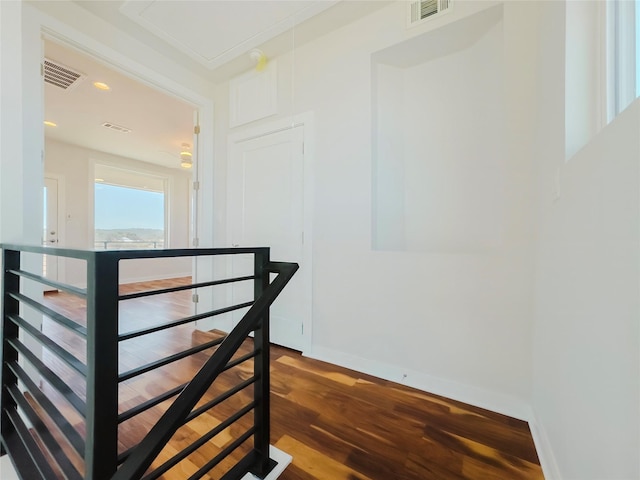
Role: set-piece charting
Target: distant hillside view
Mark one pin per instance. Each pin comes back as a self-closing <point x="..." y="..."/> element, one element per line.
<point x="128" y="238"/>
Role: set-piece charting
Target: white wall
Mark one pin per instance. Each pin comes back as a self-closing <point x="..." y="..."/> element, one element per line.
<point x="20" y="153"/>
<point x="75" y="165"/>
<point x="442" y="185"/>
<point x="22" y="103"/>
<point x="456" y="322"/>
<point x="586" y="380"/>
<point x="72" y="24"/>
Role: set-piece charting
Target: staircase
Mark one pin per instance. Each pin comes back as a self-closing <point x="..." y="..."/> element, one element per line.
<point x="65" y="408"/>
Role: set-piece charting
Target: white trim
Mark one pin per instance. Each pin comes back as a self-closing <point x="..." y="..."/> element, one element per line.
<point x="626" y="43"/>
<point x="135" y="9"/>
<point x="548" y="462"/>
<point x="283" y="459"/>
<point x="637" y="48"/>
<point x="59" y="31"/>
<point x="91" y="207"/>
<point x="609" y="64"/>
<point x="620" y="40"/>
<point x="602" y="68"/>
<point x="62" y="219"/>
<point x="306" y="120"/>
<point x="50" y="27"/>
<point x="479" y="397"/>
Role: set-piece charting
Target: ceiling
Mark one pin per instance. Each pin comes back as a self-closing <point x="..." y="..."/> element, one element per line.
<point x="214" y="33"/>
<point x="159" y="123"/>
<point x="211" y="38"/>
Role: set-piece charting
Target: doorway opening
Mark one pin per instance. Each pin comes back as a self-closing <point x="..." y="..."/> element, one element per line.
<point x="118" y="144"/>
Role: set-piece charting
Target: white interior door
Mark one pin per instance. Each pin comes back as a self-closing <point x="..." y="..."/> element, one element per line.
<point x="50" y="234"/>
<point x="266" y="208"/>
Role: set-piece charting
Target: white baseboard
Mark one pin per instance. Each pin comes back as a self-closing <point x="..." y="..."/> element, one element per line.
<point x="283" y="459"/>
<point x="543" y="447"/>
<point x="479" y="397"/>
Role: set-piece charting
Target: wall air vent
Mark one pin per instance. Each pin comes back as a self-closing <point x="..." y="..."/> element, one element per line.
<point x="117" y="128"/>
<point x="420" y="10"/>
<point x="60" y="75"/>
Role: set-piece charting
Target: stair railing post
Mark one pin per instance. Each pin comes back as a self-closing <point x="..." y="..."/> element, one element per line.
<point x="101" y="451"/>
<point x="10" y="283"/>
<point x="262" y="388"/>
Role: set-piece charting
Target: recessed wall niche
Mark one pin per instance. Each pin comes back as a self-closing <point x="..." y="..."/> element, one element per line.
<point x="438" y="139"/>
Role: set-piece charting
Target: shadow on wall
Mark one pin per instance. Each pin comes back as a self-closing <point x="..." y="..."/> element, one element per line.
<point x="438" y="139"/>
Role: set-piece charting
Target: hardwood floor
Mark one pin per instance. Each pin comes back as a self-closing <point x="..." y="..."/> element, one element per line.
<point x="336" y="423"/>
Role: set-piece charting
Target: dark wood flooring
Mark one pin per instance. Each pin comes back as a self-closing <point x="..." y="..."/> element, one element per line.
<point x="336" y="423"/>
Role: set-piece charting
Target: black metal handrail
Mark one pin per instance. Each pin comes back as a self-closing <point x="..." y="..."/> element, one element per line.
<point x="100" y="371"/>
<point x="176" y="415"/>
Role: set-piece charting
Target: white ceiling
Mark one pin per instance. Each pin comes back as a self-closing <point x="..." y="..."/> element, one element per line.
<point x="216" y="32"/>
<point x="159" y="123"/>
<point x="209" y="37"/>
<point x="212" y="37"/>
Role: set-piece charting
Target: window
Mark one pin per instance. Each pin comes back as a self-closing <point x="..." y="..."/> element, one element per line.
<point x="602" y="66"/>
<point x="129" y="209"/>
<point x="637" y="48"/>
<point x="623" y="55"/>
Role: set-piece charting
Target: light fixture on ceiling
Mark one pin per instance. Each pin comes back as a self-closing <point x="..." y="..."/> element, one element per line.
<point x="102" y="86"/>
<point x="259" y="58"/>
<point x="186" y="158"/>
<point x="50" y="124"/>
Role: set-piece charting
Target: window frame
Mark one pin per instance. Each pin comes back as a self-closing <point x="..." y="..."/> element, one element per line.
<point x="621" y="20"/>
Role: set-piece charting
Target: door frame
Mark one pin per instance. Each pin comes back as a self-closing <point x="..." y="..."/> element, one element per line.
<point x="305" y="120"/>
<point x="55" y="30"/>
<point x="62" y="220"/>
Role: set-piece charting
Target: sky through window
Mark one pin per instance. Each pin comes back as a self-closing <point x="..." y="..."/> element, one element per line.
<point x="122" y="207"/>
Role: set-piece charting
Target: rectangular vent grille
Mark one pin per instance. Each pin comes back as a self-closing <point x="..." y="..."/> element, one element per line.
<point x="60" y="75"/>
<point x="117" y="128"/>
<point x="421" y="9"/>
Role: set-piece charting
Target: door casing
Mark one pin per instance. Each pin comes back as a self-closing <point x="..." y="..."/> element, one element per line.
<point x="305" y="120"/>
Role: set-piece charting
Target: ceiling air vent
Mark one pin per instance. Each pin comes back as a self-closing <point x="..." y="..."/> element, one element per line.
<point x="60" y="75"/>
<point x="423" y="9"/>
<point x="117" y="128"/>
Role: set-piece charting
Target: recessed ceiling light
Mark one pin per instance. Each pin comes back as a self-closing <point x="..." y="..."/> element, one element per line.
<point x="101" y="86"/>
<point x="50" y="124"/>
